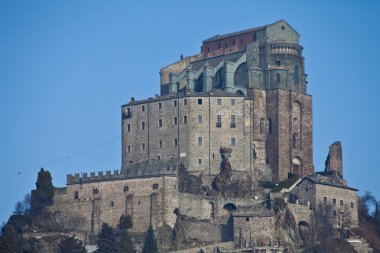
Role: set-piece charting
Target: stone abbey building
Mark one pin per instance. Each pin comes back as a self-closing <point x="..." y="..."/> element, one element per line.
<point x="230" y="132"/>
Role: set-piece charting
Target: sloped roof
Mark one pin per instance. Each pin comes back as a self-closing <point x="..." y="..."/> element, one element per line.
<point x="223" y="36"/>
<point x="317" y="181"/>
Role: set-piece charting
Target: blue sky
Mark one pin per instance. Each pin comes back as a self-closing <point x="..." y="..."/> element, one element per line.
<point x="66" y="67"/>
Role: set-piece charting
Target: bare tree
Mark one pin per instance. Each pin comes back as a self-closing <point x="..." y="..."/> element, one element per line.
<point x="23" y="207"/>
<point x="343" y="221"/>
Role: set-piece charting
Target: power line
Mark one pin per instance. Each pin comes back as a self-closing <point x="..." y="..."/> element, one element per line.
<point x="22" y="173"/>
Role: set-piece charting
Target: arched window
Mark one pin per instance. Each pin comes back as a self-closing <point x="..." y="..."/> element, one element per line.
<point x="297" y="166"/>
<point x="296" y="77"/>
<point x="262" y="125"/>
<point x="278" y="78"/>
<point x="270" y="126"/>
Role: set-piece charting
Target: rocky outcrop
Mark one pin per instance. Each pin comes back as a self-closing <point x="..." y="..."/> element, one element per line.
<point x="189" y="183"/>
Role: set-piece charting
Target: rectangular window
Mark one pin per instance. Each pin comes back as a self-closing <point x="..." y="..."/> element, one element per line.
<point x="159" y="105"/>
<point x="334" y="202"/>
<point x="233" y="121"/>
<point x="160" y="123"/>
<point x="159" y="143"/>
<point x="200" y="140"/>
<point x="185" y="101"/>
<point x="142" y="146"/>
<point x="341" y="202"/>
<point x="175" y="103"/>
<point x="143" y="108"/>
<point x="143" y="125"/>
<point x="158" y="157"/>
<point x="199" y="101"/>
<point x="128" y="127"/>
<point x="184" y="119"/>
<point x="233" y="141"/>
<point x="325" y="200"/>
<point x="218" y="120"/>
<point x="76" y="195"/>
<point x="128" y="149"/>
<point x="219" y="101"/>
<point x="352" y="205"/>
<point x="175" y="121"/>
<point x="175" y="142"/>
<point x="200" y="119"/>
<point x="200" y="162"/>
<point x="233" y="101"/>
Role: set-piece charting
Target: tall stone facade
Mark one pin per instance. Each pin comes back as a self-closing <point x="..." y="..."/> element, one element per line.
<point x="269" y="125"/>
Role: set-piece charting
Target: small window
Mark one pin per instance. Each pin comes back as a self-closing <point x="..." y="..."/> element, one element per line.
<point x="325" y="200"/>
<point x="158" y="158"/>
<point x="185" y="101"/>
<point x="269" y="126"/>
<point x="233" y="121"/>
<point x="155" y="186"/>
<point x="175" y="103"/>
<point x="200" y="161"/>
<point x="233" y="101"/>
<point x="143" y="108"/>
<point x="160" y="144"/>
<point x="296" y="77"/>
<point x="142" y="146"/>
<point x="352" y="205"/>
<point x="160" y="105"/>
<point x="200" y="101"/>
<point x="219" y="101"/>
<point x="160" y="123"/>
<point x="175" y="121"/>
<point x="278" y="63"/>
<point x="126" y="188"/>
<point x="143" y="125"/>
<point x="95" y="191"/>
<point x="233" y="141"/>
<point x="334" y="212"/>
<point x="112" y="204"/>
<point x="128" y="127"/>
<point x="184" y="119"/>
<point x="76" y="195"/>
<point x="128" y="149"/>
<point x="200" y="119"/>
<point x="341" y="202"/>
<point x="246" y="218"/>
<point x="218" y="121"/>
<point x="175" y="142"/>
<point x="241" y="41"/>
<point x="334" y="202"/>
<point x="220" y="45"/>
<point x="200" y="140"/>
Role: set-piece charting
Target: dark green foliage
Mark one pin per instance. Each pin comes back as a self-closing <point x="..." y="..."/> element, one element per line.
<point x="44" y="193"/>
<point x="71" y="245"/>
<point x="125" y="222"/>
<point x="107" y="242"/>
<point x="125" y="243"/>
<point x="150" y="244"/>
<point x="8" y="243"/>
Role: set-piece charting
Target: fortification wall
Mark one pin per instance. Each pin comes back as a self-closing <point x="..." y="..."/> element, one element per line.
<point x="147" y="200"/>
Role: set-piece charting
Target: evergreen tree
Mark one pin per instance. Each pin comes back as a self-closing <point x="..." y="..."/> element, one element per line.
<point x="71" y="245"/>
<point x="150" y="244"/>
<point x="126" y="244"/>
<point x="107" y="242"/>
<point x="8" y="242"/>
<point x="44" y="193"/>
<point x="125" y="222"/>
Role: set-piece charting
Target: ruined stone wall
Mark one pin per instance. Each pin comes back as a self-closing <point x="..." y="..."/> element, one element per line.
<point x="149" y="199"/>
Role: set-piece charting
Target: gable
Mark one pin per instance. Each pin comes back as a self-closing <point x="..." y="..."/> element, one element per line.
<point x="282" y="31"/>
